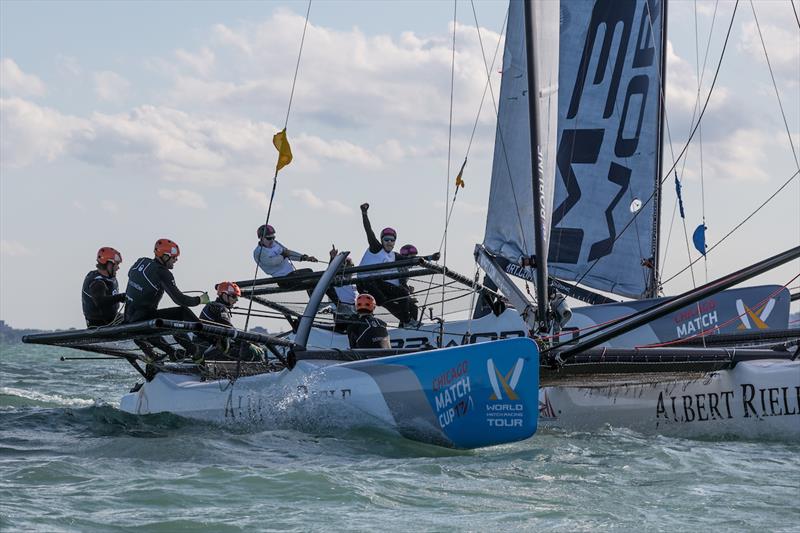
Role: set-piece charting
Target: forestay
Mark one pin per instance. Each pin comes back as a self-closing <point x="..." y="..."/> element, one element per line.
<point x="510" y="220"/>
<point x="610" y="74"/>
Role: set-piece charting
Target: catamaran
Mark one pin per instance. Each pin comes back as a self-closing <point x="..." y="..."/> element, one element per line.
<point x="711" y="362"/>
<point x="714" y="361"/>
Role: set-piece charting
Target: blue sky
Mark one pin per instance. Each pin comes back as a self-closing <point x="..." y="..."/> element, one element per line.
<point x="124" y="122"/>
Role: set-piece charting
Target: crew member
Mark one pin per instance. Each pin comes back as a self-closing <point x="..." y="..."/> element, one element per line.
<point x="148" y="280"/>
<point x="344" y="298"/>
<point x="218" y="313"/>
<point x="367" y="331"/>
<point x="387" y="293"/>
<point x="100" y="294"/>
<point x="273" y="257"/>
<point x="409" y="251"/>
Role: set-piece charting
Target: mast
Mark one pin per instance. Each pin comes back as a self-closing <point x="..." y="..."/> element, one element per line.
<point x="540" y="215"/>
<point x="652" y="286"/>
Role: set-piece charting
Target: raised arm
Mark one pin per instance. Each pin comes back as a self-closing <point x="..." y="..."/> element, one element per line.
<point x="374" y="244"/>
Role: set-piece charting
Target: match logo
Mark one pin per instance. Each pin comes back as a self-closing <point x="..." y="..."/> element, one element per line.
<point x="758" y="316"/>
<point x="504" y="383"/>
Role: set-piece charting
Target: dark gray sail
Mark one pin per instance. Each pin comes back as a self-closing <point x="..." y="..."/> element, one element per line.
<point x="609" y="136"/>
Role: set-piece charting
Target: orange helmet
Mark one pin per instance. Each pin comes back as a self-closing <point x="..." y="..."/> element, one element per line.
<point x="365" y="303"/>
<point x="228" y="287"/>
<point x="106" y="254"/>
<point x="166" y="247"/>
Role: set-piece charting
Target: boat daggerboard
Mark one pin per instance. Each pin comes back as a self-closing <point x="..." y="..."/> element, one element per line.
<point x="510" y="219"/>
<point x="610" y="74"/>
<point x="462" y="397"/>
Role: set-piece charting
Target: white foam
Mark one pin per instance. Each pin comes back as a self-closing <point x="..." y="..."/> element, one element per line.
<point x="46" y="398"/>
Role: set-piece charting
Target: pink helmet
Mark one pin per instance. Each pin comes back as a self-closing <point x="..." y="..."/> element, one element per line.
<point x="388" y="231"/>
<point x="264" y="230"/>
<point x="408" y="250"/>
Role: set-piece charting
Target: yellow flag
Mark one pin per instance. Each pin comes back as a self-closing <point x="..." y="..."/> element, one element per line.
<point x="459" y="180"/>
<point x="284" y="150"/>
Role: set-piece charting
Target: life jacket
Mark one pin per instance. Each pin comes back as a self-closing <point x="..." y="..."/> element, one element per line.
<point x="99" y="312"/>
<point x="368" y="332"/>
<point x="144" y="290"/>
<point x="381" y="256"/>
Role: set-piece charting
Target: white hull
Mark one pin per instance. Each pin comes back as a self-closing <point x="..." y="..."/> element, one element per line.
<point x="260" y="398"/>
<point x="644" y="403"/>
<point x="756" y="399"/>
<point x="450" y="397"/>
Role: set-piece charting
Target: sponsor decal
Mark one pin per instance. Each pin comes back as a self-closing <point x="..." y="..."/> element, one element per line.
<point x="505" y="408"/>
<point x="757" y="317"/>
<point x="755" y="402"/>
<point x="453" y="397"/>
<point x="697" y="318"/>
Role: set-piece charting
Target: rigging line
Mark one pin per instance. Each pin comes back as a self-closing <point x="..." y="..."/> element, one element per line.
<point x="701" y="76"/>
<point x="477" y="117"/>
<point x="686" y="145"/>
<point x="700" y="143"/>
<point x="797" y="18"/>
<point x="793" y="176"/>
<point x="449" y="146"/>
<point x="275" y="177"/>
<point x="297" y="65"/>
<point x="775" y="85"/>
<point x="500" y="137"/>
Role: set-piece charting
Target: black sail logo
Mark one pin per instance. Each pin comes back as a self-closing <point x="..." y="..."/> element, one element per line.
<point x="598" y="124"/>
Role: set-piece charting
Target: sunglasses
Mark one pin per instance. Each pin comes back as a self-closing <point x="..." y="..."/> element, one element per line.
<point x="271" y="238"/>
<point x="388" y="239"/>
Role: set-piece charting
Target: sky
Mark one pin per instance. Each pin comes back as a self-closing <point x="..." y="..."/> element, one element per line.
<point x="125" y="122"/>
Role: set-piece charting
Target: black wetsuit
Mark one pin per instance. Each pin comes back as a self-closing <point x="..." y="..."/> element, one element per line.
<point x="100" y="298"/>
<point x="367" y="331"/>
<point x="148" y="280"/>
<point x="218" y="313"/>
<point x="394" y="297"/>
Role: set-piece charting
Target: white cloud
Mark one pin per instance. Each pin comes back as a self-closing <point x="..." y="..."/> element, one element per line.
<point x="78" y="205"/>
<point x="68" y="65"/>
<point x="255" y="197"/>
<point x="314" y="202"/>
<point x="14" y="81"/>
<point x="183" y="197"/>
<point x="780" y="39"/>
<point x="202" y="62"/>
<point x="308" y="198"/>
<point x="13" y="249"/>
<point x="30" y="133"/>
<point x="110" y="86"/>
<point x="109" y="206"/>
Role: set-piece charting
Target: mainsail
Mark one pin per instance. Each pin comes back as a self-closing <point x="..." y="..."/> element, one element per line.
<point x="510" y="221"/>
<point x="609" y="135"/>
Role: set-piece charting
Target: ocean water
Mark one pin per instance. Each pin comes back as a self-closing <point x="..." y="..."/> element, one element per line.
<point x="71" y="461"/>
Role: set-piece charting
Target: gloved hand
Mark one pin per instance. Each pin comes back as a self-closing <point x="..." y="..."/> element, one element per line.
<point x="364" y="207"/>
<point x="435" y="256"/>
<point x="204" y="298"/>
<point x="256" y="352"/>
<point x="224" y="345"/>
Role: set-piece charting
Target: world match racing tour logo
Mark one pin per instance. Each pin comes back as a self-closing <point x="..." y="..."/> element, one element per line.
<point x="505" y="408"/>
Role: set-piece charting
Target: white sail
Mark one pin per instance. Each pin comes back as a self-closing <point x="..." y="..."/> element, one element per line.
<point x="510" y="221"/>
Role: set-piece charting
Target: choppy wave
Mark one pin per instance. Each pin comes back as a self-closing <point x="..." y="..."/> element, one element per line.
<point x="15" y="397"/>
